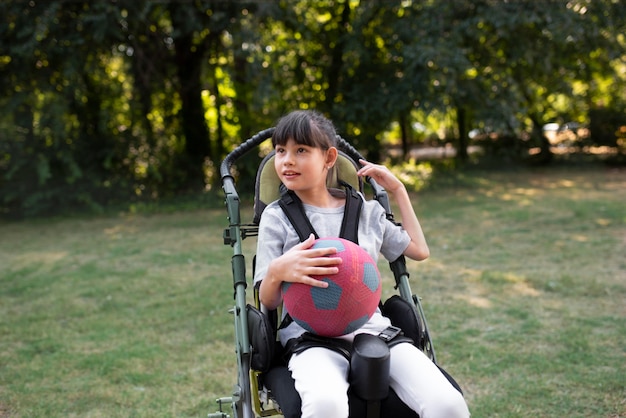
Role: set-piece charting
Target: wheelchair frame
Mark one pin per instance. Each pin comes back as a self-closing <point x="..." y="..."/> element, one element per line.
<point x="245" y="403"/>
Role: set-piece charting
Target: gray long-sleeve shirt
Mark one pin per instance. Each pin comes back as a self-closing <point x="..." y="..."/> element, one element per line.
<point x="377" y="235"/>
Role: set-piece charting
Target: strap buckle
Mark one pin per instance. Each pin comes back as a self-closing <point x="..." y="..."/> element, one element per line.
<point x="389" y="333"/>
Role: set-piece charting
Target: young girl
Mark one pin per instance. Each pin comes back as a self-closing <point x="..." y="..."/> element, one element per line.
<point x="306" y="151"/>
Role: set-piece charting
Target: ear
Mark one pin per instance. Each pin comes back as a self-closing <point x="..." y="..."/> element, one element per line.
<point x="331" y="156"/>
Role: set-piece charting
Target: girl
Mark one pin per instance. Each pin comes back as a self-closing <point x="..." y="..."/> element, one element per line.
<point x="306" y="151"/>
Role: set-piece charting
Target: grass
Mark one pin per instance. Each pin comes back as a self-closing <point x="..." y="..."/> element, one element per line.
<point x="127" y="316"/>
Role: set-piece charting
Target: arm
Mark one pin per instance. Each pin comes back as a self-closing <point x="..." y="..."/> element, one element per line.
<point x="417" y="248"/>
<point x="296" y="266"/>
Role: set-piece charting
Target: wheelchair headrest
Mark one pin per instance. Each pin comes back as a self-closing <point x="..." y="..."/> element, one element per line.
<point x="267" y="185"/>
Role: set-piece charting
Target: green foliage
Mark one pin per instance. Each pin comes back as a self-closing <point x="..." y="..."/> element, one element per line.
<point x="415" y="176"/>
<point x="115" y="101"/>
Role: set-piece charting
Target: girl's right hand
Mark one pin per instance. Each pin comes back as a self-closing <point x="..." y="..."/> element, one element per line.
<point x="297" y="265"/>
<point x="301" y="262"/>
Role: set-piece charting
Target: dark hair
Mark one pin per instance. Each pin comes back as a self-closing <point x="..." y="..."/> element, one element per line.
<point x="305" y="127"/>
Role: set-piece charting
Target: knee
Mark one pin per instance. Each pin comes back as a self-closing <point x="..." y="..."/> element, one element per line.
<point x="325" y="403"/>
<point x="451" y="406"/>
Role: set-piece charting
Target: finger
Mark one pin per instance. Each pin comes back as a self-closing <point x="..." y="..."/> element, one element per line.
<point x="368" y="169"/>
<point x="321" y="252"/>
<point x="315" y="282"/>
<point x="325" y="261"/>
<point x="308" y="243"/>
<point x="363" y="170"/>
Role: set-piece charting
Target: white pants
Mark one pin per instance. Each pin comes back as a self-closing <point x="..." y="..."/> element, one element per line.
<point x="321" y="377"/>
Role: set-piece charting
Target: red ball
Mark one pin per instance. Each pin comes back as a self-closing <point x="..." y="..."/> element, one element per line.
<point x="347" y="303"/>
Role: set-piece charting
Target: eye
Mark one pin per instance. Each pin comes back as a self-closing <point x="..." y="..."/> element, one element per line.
<point x="279" y="150"/>
<point x="301" y="150"/>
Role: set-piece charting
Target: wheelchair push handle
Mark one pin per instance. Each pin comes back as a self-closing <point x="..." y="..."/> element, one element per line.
<point x="242" y="149"/>
<point x="261" y="136"/>
<point x="228" y="181"/>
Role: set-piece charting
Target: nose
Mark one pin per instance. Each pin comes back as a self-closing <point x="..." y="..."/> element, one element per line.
<point x="287" y="158"/>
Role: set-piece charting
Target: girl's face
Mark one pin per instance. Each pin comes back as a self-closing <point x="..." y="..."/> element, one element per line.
<point x="302" y="168"/>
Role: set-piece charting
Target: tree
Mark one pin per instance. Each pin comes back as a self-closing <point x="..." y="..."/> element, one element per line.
<point x="530" y="54"/>
<point x="110" y="101"/>
<point x="62" y="149"/>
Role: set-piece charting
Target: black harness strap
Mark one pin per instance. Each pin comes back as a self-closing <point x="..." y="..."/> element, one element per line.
<point x="294" y="210"/>
<point x="350" y="224"/>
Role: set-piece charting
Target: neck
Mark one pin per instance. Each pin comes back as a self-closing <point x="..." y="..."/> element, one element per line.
<point x="319" y="198"/>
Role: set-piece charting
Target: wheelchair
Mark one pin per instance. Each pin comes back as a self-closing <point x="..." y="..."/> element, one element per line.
<point x="264" y="386"/>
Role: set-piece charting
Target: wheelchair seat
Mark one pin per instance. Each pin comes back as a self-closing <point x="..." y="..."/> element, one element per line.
<point x="281" y="384"/>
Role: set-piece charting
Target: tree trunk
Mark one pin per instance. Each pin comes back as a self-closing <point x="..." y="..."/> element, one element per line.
<point x="334" y="71"/>
<point x="219" y="140"/>
<point x="197" y="141"/>
<point x="404" y="135"/>
<point x="243" y="96"/>
<point x="461" y="120"/>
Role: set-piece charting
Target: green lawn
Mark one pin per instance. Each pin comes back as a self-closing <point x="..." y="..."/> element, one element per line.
<point x="127" y="316"/>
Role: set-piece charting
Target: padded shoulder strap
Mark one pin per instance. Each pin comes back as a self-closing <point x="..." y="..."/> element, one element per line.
<point x="293" y="208"/>
<point x="350" y="224"/>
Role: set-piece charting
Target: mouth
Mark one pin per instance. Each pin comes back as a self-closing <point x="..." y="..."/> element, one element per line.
<point x="290" y="174"/>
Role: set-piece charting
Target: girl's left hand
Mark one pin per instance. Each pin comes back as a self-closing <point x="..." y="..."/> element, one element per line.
<point x="381" y="174"/>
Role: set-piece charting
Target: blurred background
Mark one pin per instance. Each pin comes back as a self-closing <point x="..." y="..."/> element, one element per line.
<point x="111" y="102"/>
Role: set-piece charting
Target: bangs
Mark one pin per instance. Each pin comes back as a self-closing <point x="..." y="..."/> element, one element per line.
<point x="305" y="128"/>
<point x="297" y="128"/>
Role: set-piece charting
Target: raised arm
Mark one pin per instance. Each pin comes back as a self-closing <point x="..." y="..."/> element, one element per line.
<point x="418" y="248"/>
